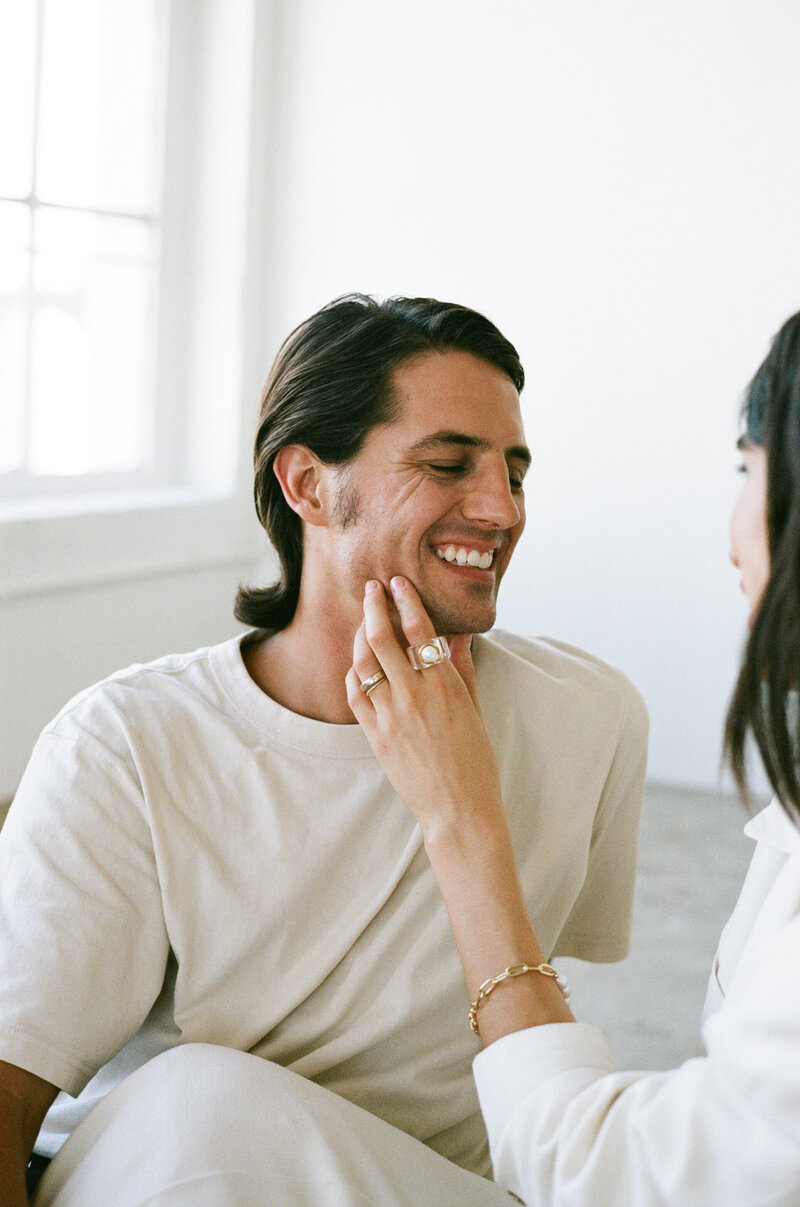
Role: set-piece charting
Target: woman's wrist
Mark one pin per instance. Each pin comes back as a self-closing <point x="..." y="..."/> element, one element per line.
<point x="532" y="999"/>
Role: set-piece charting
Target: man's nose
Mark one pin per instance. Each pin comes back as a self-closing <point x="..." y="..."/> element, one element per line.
<point x="492" y="501"/>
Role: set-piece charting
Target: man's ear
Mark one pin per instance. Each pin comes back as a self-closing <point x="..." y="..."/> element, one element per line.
<point x="302" y="478"/>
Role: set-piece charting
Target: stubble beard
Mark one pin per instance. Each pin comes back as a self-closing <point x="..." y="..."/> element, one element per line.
<point x="449" y="617"/>
<point x="347" y="506"/>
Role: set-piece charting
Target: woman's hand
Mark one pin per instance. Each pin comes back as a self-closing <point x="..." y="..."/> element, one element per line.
<point x="424" y="726"/>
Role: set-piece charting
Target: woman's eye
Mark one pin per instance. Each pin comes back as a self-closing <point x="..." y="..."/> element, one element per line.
<point x="741" y="469"/>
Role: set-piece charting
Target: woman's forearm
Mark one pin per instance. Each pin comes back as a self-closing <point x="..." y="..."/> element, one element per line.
<point x="475" y="870"/>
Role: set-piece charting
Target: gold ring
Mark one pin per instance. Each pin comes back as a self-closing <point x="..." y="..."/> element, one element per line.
<point x="370" y="684"/>
<point x="428" y="653"/>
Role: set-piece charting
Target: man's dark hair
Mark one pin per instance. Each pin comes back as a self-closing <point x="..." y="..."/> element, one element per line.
<point x="765" y="697"/>
<point x="330" y="385"/>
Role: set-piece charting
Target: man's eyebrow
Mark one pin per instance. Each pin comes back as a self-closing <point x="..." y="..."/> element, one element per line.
<point x="443" y="439"/>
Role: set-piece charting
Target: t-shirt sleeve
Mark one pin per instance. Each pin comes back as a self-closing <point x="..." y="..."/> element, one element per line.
<point x="599" y="924"/>
<point x="565" y="1127"/>
<point x="83" y="943"/>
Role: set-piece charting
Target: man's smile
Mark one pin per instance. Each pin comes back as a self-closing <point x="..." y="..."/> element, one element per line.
<point x="464" y="555"/>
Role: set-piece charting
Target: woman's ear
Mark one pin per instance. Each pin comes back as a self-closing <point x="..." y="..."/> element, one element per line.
<point x="302" y="478"/>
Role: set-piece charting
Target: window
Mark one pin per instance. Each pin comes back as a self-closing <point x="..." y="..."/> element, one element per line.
<point x="129" y="369"/>
<point x="80" y="236"/>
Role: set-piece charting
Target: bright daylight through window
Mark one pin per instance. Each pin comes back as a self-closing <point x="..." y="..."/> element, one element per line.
<point x="83" y="93"/>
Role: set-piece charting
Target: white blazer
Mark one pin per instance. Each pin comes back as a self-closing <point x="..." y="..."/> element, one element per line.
<point x="567" y="1129"/>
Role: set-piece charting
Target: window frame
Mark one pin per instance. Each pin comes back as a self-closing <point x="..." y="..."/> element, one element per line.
<point x="154" y="469"/>
<point x="197" y="509"/>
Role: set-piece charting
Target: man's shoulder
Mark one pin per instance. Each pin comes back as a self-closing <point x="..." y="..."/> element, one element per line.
<point x="543" y="667"/>
<point x="546" y="655"/>
<point x="142" y="688"/>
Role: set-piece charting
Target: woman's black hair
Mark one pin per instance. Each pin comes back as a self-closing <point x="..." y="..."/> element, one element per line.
<point x="330" y="385"/>
<point x="764" y="700"/>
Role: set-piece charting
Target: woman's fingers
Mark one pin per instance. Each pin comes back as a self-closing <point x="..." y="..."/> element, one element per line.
<point x="418" y="629"/>
<point x="376" y="646"/>
<point x="416" y="623"/>
<point x="380" y="633"/>
<point x="360" y="705"/>
<point x="379" y="640"/>
<point x="364" y="659"/>
<point x="365" y="670"/>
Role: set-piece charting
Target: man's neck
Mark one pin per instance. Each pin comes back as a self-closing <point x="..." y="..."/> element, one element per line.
<point x="303" y="668"/>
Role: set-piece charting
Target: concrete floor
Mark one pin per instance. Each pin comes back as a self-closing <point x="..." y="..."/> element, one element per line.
<point x="692" y="860"/>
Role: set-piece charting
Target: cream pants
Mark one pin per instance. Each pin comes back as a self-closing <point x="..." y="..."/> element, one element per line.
<point x="206" y="1126"/>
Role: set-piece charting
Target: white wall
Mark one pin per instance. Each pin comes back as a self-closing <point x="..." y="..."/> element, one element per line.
<point x="616" y="185"/>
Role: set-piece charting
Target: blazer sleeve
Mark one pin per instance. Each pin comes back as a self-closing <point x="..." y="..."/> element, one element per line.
<point x="567" y="1129"/>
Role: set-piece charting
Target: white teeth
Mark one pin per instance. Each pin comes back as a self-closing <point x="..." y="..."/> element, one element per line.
<point x="466" y="557"/>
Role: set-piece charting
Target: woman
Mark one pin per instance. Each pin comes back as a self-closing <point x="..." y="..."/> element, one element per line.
<point x="566" y="1128"/>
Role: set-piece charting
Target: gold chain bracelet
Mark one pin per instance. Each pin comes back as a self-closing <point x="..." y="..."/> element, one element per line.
<point x="509" y="974"/>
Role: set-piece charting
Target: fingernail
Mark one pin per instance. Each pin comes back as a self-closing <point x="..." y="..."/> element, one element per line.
<point x="371" y="587"/>
<point x="398" y="585"/>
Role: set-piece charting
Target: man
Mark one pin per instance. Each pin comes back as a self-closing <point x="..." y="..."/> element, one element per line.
<point x="205" y="879"/>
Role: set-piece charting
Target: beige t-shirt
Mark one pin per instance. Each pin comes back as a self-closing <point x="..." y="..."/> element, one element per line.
<point x="185" y="861"/>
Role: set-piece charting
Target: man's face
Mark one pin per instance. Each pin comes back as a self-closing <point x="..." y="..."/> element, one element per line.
<point x="437" y="494"/>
